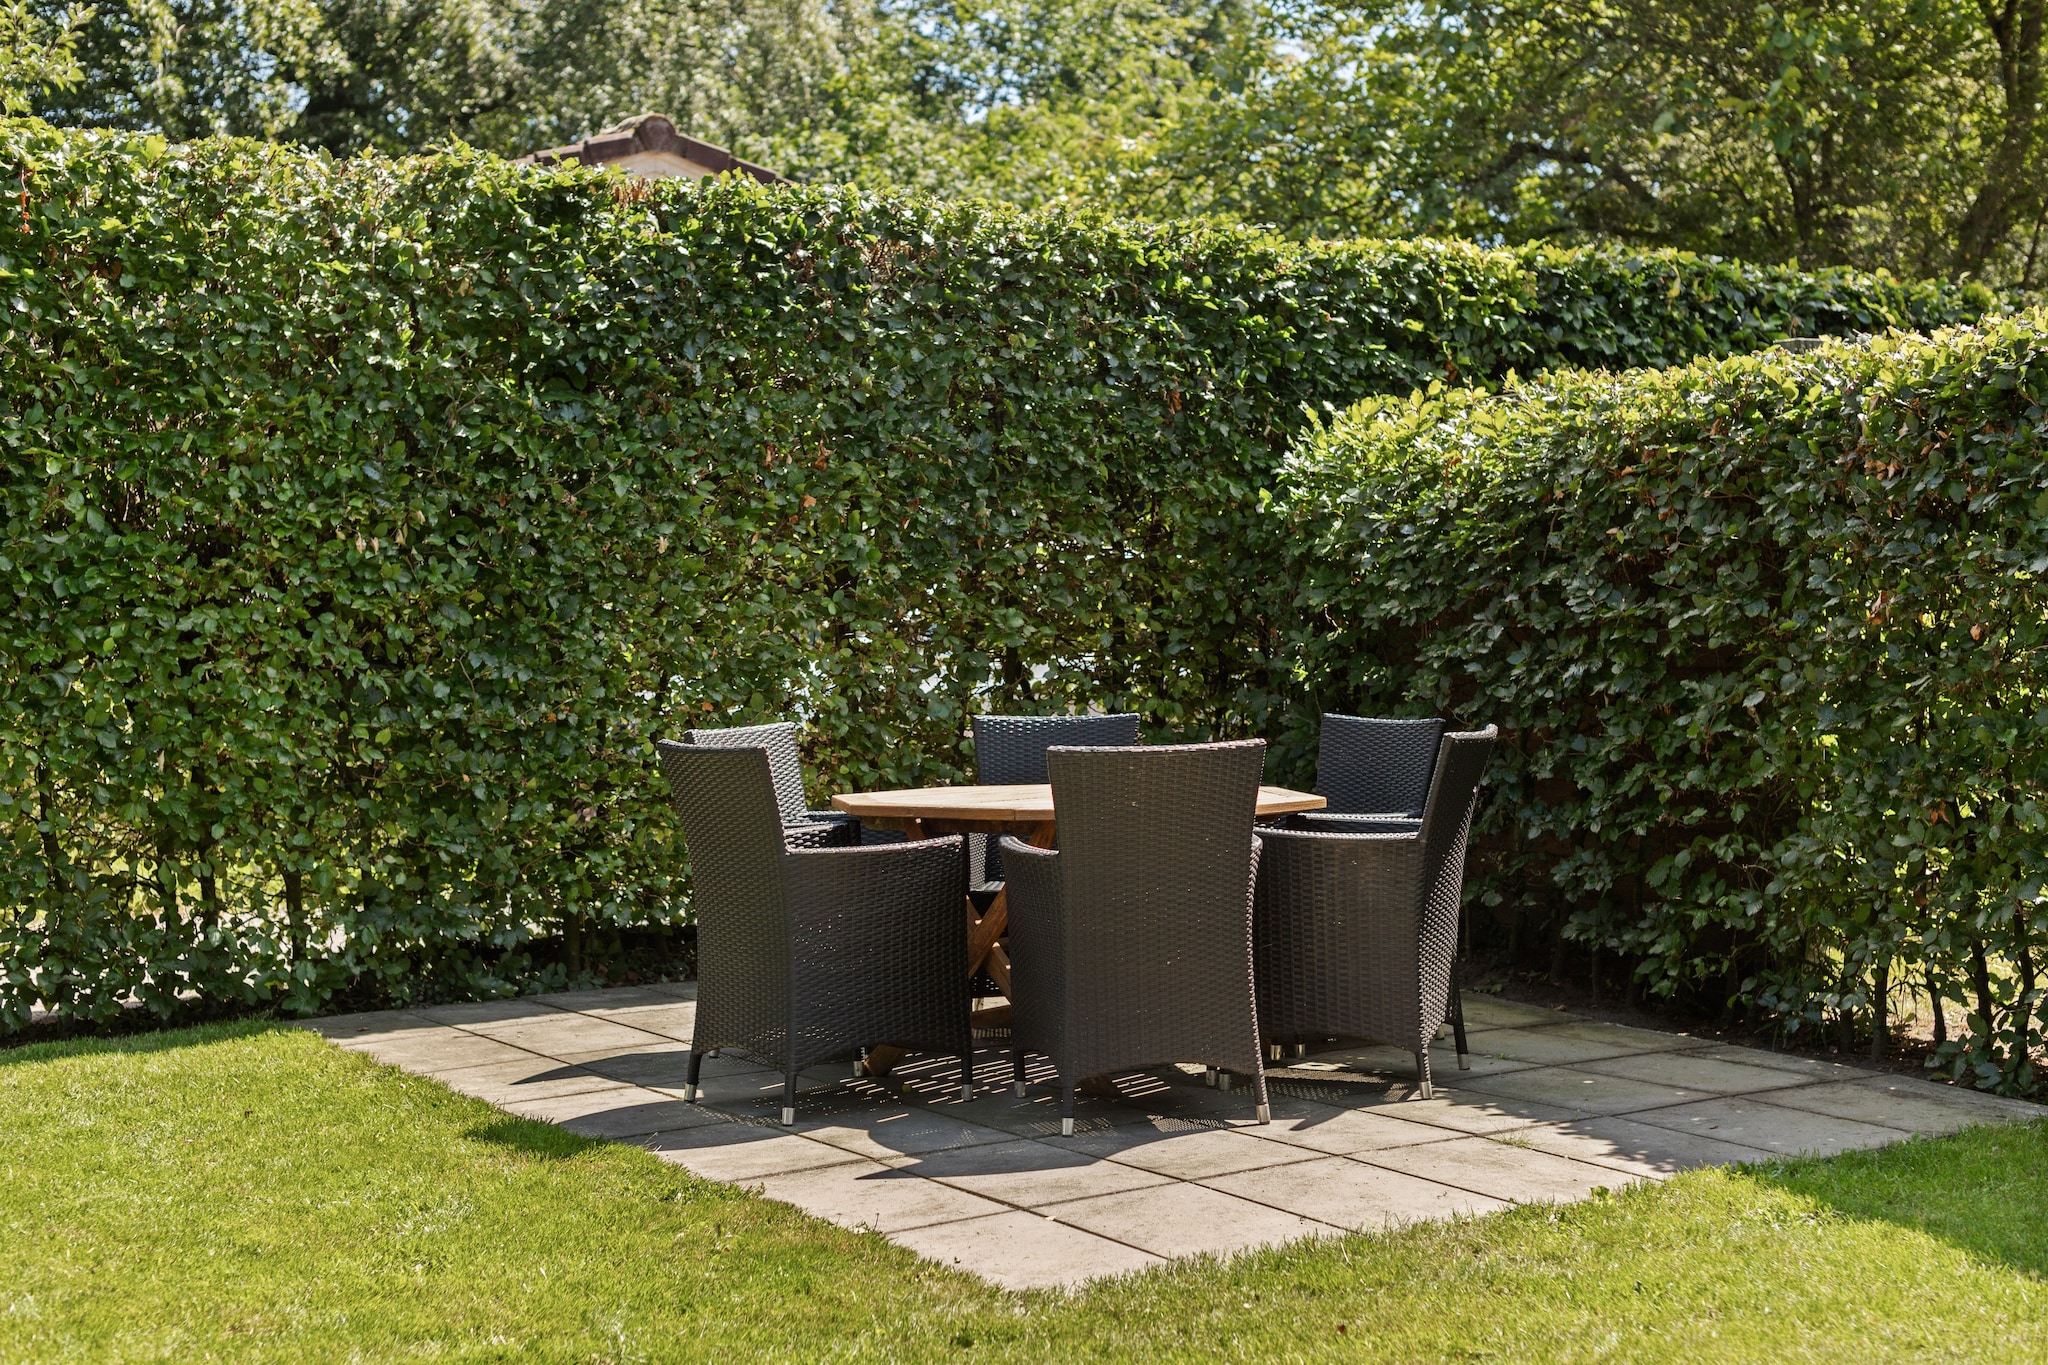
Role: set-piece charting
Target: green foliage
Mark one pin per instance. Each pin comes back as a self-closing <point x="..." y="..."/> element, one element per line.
<point x="37" y="53"/>
<point x="367" y="521"/>
<point x="1768" y="643"/>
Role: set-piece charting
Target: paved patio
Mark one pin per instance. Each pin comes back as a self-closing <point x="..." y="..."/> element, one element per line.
<point x="1553" y="1108"/>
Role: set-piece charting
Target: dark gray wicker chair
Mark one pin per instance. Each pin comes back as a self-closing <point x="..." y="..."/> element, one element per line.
<point x="1010" y="751"/>
<point x="1130" y="944"/>
<point x="1356" y="932"/>
<point x="1373" y="768"/>
<point x="800" y="828"/>
<point x="805" y="955"/>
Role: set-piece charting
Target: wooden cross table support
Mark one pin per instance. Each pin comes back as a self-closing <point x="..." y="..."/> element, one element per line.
<point x="1024" y="811"/>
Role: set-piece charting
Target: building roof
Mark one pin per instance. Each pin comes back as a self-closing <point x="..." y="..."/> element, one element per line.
<point x="649" y="144"/>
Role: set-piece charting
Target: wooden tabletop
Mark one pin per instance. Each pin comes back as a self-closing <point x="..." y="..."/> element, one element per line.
<point x="995" y="810"/>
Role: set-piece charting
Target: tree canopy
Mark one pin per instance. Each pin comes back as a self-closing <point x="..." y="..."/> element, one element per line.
<point x="1898" y="134"/>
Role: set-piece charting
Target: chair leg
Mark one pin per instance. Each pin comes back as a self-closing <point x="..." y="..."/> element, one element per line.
<point x="1458" y="1016"/>
<point x="788" y="1098"/>
<point x="1209" y="1077"/>
<point x="1223" y="1081"/>
<point x="967" y="1074"/>
<point x="1066" y="1107"/>
<point x="1265" y="1109"/>
<point x="1017" y="1072"/>
<point x="1422" y="1070"/>
<point x="690" y="1085"/>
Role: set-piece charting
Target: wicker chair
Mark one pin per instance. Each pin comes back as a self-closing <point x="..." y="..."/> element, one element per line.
<point x="1355" y="933"/>
<point x="805" y="955"/>
<point x="1010" y="751"/>
<point x="800" y="828"/>
<point x="1368" y="767"/>
<point x="1130" y="945"/>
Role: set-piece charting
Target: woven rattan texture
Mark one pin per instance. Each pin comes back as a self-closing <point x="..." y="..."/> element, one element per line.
<point x="1010" y="751"/>
<point x="1355" y="932"/>
<point x="1376" y="767"/>
<point x="800" y="828"/>
<point x="1131" y="944"/>
<point x="810" y="954"/>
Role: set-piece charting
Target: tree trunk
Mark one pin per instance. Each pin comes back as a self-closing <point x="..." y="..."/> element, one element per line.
<point x="2016" y="27"/>
<point x="295" y="913"/>
<point x="1980" y="969"/>
<point x="1880" y="990"/>
<point x="1934" y="995"/>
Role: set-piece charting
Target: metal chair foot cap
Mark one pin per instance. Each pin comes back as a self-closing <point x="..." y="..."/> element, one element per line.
<point x="1209" y="1077"/>
<point x="1018" y="1090"/>
<point x="1464" y="1064"/>
<point x="966" y="1094"/>
<point x="789" y="1118"/>
<point x="1066" y="1127"/>
<point x="689" y="1094"/>
<point x="1223" y="1080"/>
<point x="1265" y="1113"/>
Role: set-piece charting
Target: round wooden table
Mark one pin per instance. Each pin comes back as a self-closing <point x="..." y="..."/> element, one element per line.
<point x="1025" y="811"/>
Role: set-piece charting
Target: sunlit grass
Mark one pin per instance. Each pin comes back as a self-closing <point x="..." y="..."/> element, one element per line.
<point x="251" y="1193"/>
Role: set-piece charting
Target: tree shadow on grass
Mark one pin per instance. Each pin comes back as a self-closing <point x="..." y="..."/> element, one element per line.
<point x="531" y="1136"/>
<point x="1983" y="1190"/>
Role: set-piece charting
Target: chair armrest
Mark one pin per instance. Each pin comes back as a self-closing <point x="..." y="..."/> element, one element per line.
<point x="1329" y="823"/>
<point x="857" y="883"/>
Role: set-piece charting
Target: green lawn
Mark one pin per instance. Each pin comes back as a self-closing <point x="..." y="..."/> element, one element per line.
<point x="250" y="1193"/>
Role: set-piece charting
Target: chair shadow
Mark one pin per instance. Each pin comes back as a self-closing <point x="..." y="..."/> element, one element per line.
<point x="1982" y="1190"/>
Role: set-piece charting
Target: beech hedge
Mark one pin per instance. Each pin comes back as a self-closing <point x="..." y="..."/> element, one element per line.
<point x="367" y="521"/>
<point x="1768" y="641"/>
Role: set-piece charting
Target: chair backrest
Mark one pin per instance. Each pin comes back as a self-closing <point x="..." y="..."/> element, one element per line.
<point x="785" y="764"/>
<point x="1367" y="766"/>
<point x="733" y="829"/>
<point x="1156" y="864"/>
<point x="1446" y="825"/>
<point x="1010" y="750"/>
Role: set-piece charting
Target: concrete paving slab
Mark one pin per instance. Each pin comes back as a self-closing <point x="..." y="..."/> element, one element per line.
<point x="435" y="1049"/>
<point x="661" y="1065"/>
<point x="1168" y="1166"/>
<point x="1498" y="1168"/>
<point x="891" y="1133"/>
<point x="673" y="1019"/>
<point x="529" y="1078"/>
<point x="1346" y="1131"/>
<point x="1487" y="1011"/>
<point x="620" y="1111"/>
<point x="1349" y="1194"/>
<point x="1181" y="1219"/>
<point x="1583" y="1092"/>
<point x="739" y="1153"/>
<point x="565" y="1035"/>
<point x="1185" y="1155"/>
<point x="1567" y="1044"/>
<point x="1919" y="1106"/>
<point x="1030" y="1175"/>
<point x="1640" y="1149"/>
<point x="1770" y="1127"/>
<point x="1019" y="1250"/>
<point x="867" y="1194"/>
<point x="486" y="1012"/>
<point x="1697" y="1071"/>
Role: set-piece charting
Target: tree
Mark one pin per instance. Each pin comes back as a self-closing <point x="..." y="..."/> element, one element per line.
<point x="37" y="53"/>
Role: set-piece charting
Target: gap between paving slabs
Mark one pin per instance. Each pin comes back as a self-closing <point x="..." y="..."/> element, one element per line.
<point x="1552" y="1108"/>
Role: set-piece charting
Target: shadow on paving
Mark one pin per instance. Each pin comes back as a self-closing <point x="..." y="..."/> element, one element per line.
<point x="1983" y="1191"/>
